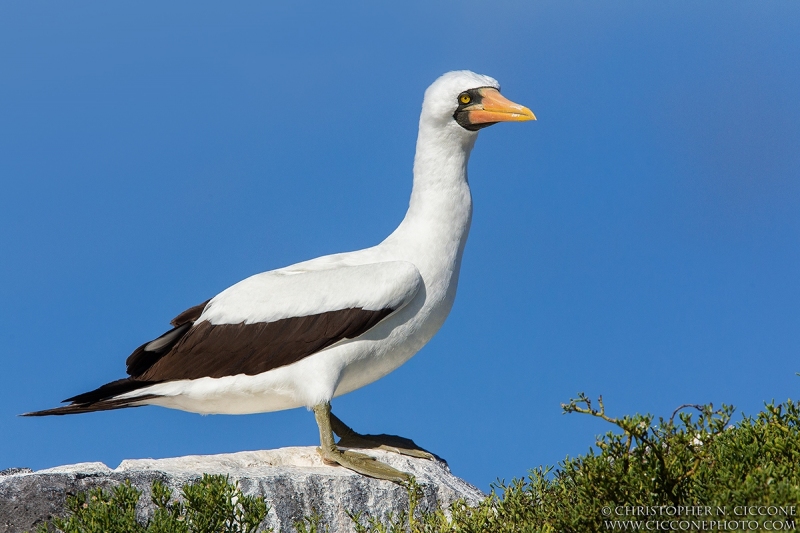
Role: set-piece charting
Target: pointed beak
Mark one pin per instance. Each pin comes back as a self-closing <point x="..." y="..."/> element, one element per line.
<point x="494" y="107"/>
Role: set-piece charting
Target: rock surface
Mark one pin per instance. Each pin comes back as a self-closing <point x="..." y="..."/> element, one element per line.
<point x="294" y="481"/>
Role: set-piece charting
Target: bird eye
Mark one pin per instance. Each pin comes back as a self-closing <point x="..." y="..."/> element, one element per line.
<point x="464" y="98"/>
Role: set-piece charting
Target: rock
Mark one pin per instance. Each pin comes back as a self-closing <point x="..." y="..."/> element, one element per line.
<point x="10" y="471"/>
<point x="294" y="481"/>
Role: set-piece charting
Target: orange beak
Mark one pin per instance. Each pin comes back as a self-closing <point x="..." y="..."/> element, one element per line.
<point x="495" y="107"/>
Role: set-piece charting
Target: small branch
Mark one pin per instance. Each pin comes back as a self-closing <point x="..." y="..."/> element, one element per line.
<point x="573" y="407"/>
<point x="684" y="406"/>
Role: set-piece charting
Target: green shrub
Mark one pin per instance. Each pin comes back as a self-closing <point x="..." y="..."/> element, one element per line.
<point x="311" y="524"/>
<point x="643" y="471"/>
<point x="211" y="504"/>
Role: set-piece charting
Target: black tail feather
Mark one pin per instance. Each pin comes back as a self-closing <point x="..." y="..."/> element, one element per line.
<point x="109" y="390"/>
<point x="102" y="399"/>
<point x="105" y="405"/>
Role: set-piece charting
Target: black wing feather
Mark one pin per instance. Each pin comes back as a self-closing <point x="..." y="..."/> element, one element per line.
<point x="149" y="353"/>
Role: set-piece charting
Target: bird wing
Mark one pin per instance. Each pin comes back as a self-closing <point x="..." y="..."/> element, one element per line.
<point x="275" y="319"/>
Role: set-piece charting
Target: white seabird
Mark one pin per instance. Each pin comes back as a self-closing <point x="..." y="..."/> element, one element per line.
<point x="304" y="334"/>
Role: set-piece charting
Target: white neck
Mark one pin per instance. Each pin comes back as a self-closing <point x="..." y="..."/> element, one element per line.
<point x="433" y="233"/>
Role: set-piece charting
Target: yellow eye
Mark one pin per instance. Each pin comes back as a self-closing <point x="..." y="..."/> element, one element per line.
<point x="464" y="98"/>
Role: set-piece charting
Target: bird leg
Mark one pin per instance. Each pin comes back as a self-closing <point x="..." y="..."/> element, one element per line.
<point x="390" y="443"/>
<point x="359" y="462"/>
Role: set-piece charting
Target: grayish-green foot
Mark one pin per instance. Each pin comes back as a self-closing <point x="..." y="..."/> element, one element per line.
<point x="390" y="443"/>
<point x="358" y="462"/>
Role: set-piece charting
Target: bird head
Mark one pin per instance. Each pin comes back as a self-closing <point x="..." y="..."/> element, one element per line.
<point x="470" y="101"/>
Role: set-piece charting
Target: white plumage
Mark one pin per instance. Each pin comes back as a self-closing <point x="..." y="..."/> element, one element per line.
<point x="417" y="265"/>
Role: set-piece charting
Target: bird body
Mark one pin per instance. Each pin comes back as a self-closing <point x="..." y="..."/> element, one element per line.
<point x="303" y="334"/>
<point x="414" y="270"/>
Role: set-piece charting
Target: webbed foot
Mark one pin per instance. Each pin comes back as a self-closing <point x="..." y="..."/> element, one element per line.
<point x="358" y="462"/>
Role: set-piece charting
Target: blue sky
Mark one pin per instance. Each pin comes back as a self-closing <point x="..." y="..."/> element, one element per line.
<point x="641" y="240"/>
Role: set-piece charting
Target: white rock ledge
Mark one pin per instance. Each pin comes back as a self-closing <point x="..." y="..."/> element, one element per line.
<point x="294" y="481"/>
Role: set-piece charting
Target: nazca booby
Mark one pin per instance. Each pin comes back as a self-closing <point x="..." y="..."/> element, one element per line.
<point x="306" y="333"/>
